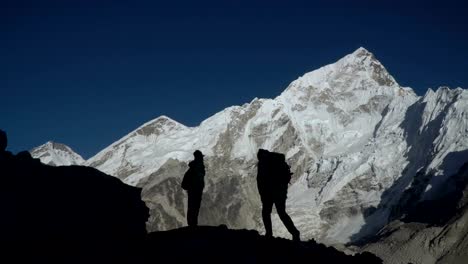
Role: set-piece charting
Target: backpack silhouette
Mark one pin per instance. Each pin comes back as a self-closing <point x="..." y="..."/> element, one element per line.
<point x="281" y="169"/>
<point x="185" y="181"/>
<point x="275" y="171"/>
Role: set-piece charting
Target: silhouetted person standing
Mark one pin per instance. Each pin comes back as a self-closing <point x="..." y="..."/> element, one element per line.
<point x="3" y="141"/>
<point x="194" y="183"/>
<point x="5" y="155"/>
<point x="272" y="181"/>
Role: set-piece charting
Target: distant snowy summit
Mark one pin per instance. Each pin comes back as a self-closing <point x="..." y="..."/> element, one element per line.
<point x="355" y="140"/>
<point x="56" y="154"/>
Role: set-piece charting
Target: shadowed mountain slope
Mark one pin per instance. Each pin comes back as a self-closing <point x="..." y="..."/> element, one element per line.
<point x="428" y="231"/>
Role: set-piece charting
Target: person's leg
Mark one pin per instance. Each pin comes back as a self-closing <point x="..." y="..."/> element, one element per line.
<point x="196" y="206"/>
<point x="267" y="207"/>
<point x="280" y="205"/>
<point x="189" y="208"/>
<point x="194" y="202"/>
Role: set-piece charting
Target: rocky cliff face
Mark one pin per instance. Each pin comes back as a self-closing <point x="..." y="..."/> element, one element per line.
<point x="354" y="137"/>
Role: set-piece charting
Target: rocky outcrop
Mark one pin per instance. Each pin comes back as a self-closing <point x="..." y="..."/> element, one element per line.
<point x="44" y="204"/>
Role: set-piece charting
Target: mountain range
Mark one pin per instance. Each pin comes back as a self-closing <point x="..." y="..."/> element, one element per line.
<point x="362" y="149"/>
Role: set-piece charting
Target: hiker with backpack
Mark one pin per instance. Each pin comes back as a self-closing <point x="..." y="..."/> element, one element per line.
<point x="193" y="182"/>
<point x="272" y="181"/>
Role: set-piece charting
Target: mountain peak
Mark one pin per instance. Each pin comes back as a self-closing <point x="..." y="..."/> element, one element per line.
<point x="356" y="71"/>
<point x="362" y="52"/>
<point x="55" y="145"/>
<point x="158" y="126"/>
<point x="56" y="154"/>
<point x="163" y="119"/>
<point x="359" y="58"/>
<point x="362" y="62"/>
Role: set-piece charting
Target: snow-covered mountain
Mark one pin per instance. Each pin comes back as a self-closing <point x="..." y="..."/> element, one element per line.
<point x="56" y="154"/>
<point x="356" y="140"/>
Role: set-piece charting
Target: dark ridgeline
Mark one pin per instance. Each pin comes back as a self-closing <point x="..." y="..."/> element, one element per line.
<point x="272" y="181"/>
<point x="194" y="183"/>
<point x="77" y="214"/>
<point x="209" y="244"/>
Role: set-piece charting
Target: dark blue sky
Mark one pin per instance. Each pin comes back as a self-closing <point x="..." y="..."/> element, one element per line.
<point x="85" y="74"/>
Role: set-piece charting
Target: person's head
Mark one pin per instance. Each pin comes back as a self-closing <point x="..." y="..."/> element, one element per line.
<point x="261" y="154"/>
<point x="198" y="154"/>
<point x="3" y="140"/>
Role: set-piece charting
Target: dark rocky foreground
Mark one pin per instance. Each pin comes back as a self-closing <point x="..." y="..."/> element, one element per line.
<point x="185" y="245"/>
<point x="76" y="214"/>
<point x="222" y="245"/>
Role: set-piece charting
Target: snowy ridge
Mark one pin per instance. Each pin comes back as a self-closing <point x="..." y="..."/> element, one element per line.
<point x="56" y="154"/>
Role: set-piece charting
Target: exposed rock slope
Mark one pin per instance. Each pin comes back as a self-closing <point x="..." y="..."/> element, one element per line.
<point x="430" y="231"/>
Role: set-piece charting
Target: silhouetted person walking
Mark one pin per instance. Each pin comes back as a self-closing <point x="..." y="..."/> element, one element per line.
<point x="194" y="183"/>
<point x="272" y="181"/>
